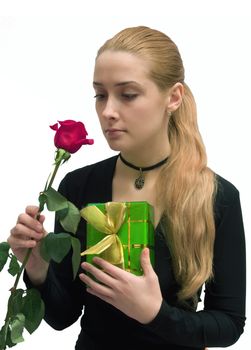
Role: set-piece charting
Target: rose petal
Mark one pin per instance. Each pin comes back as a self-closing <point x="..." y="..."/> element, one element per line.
<point x="67" y="122"/>
<point x="88" y="142"/>
<point x="54" y="127"/>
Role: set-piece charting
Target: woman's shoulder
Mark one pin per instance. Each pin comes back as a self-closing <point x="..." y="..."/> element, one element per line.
<point x="226" y="192"/>
<point x="227" y="196"/>
<point x="94" y="169"/>
<point x="85" y="184"/>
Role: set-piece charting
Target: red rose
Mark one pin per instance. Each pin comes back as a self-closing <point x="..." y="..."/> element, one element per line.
<point x="70" y="135"/>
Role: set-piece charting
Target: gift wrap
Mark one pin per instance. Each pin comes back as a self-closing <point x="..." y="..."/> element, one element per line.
<point x="118" y="232"/>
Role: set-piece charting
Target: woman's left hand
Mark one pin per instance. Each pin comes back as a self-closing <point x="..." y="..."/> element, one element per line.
<point x="139" y="297"/>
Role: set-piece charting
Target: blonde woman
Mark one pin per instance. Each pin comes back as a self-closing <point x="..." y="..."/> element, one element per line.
<point x="148" y="114"/>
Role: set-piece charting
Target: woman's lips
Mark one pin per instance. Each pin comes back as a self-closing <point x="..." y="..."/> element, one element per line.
<point x="114" y="133"/>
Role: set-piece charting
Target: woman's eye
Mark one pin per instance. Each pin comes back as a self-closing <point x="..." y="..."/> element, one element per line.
<point x="99" y="96"/>
<point x="129" y="96"/>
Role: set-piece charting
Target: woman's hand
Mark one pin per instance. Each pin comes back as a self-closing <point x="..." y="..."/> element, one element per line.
<point x="26" y="234"/>
<point x="139" y="297"/>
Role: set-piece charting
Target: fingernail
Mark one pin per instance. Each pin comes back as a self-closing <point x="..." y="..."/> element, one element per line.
<point x="96" y="260"/>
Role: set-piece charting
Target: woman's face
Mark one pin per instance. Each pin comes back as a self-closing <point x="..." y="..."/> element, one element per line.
<point x="131" y="109"/>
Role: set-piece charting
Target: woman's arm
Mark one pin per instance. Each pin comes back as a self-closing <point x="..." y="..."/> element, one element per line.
<point x="63" y="296"/>
<point x="222" y="321"/>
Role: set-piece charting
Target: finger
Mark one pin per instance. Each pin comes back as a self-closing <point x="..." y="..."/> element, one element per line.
<point x="28" y="221"/>
<point x="100" y="275"/>
<point x="145" y="261"/>
<point x="31" y="210"/>
<point x="101" y="296"/>
<point x="114" y="271"/>
<point x="21" y="231"/>
<point x="41" y="219"/>
<point x="17" y="243"/>
<point x="95" y="286"/>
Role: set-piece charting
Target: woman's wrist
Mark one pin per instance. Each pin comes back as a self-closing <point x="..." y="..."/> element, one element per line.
<point x="38" y="276"/>
<point x="152" y="312"/>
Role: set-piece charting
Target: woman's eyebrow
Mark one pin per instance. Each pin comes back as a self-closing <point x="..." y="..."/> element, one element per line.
<point x="96" y="83"/>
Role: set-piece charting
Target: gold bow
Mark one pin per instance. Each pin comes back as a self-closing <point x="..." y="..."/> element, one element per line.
<point x="110" y="246"/>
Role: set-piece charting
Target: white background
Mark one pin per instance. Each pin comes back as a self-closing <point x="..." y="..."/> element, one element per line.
<point x="47" y="51"/>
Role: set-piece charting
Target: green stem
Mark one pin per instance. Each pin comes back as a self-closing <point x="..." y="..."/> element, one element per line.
<point x="26" y="258"/>
<point x="41" y="207"/>
<point x="53" y="175"/>
<point x="28" y="253"/>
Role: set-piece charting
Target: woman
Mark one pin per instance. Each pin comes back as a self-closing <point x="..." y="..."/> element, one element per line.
<point x="148" y="114"/>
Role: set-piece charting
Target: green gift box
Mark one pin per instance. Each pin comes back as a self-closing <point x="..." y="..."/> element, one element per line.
<point x="135" y="233"/>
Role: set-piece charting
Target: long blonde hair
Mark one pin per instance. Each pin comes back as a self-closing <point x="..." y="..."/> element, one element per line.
<point x="186" y="185"/>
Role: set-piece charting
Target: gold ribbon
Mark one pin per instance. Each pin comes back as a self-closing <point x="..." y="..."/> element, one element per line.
<point x="110" y="247"/>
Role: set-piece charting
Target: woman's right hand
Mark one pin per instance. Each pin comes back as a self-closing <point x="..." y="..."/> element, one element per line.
<point x="27" y="233"/>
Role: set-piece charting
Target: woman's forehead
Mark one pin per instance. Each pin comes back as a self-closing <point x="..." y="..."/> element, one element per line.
<point x="122" y="66"/>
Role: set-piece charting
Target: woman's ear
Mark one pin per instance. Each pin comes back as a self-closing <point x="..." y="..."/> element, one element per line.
<point x="175" y="96"/>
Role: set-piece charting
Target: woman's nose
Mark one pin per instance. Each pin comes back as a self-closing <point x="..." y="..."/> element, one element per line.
<point x="110" y="109"/>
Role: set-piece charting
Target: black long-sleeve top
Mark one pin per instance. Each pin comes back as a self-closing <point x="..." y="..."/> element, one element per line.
<point x="219" y="324"/>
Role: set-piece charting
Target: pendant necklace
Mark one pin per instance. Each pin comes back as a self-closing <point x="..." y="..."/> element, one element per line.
<point x="140" y="180"/>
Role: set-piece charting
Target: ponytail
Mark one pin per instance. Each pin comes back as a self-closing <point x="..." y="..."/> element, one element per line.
<point x="187" y="188"/>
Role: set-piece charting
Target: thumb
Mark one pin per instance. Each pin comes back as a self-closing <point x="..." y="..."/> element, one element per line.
<point x="41" y="219"/>
<point x="145" y="261"/>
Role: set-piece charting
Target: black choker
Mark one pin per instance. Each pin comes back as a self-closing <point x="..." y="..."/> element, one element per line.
<point x="140" y="180"/>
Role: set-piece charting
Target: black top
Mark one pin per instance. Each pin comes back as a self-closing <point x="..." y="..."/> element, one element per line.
<point x="220" y="323"/>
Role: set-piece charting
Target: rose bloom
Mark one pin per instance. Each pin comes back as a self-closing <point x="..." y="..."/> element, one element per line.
<point x="70" y="135"/>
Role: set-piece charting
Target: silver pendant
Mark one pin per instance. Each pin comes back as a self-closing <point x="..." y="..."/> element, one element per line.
<point x="140" y="181"/>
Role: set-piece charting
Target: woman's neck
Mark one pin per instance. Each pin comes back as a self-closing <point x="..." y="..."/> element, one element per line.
<point x="145" y="159"/>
